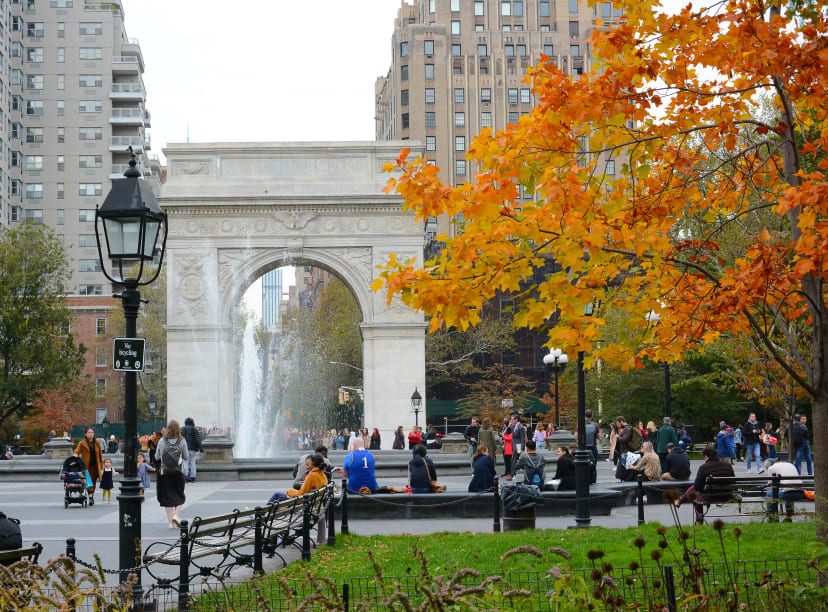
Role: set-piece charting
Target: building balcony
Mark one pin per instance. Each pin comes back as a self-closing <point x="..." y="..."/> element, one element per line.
<point x="147" y="119"/>
<point x="130" y="47"/>
<point x="126" y="64"/>
<point x="120" y="143"/>
<point x="127" y="91"/>
<point x="127" y="116"/>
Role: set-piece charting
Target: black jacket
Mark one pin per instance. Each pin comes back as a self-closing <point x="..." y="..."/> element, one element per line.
<point x="471" y="432"/>
<point x="418" y="475"/>
<point x="484" y="473"/>
<point x="748" y="437"/>
<point x="193" y="438"/>
<point x="678" y="464"/>
<point x="712" y="467"/>
<point x="566" y="473"/>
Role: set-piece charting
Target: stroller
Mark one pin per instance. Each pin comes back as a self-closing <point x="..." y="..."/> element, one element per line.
<point x="74" y="482"/>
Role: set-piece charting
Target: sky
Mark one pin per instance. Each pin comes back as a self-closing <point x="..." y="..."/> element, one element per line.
<point x="261" y="70"/>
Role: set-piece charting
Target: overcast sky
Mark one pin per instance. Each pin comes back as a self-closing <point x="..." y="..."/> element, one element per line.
<point x="261" y="70"/>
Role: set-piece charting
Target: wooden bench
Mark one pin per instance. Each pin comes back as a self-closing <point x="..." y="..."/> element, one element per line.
<point x="746" y="489"/>
<point x="30" y="553"/>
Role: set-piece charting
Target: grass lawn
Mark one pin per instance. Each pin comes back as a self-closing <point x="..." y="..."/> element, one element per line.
<point x="450" y="551"/>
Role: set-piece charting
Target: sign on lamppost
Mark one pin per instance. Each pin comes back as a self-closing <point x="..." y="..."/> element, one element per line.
<point x="128" y="355"/>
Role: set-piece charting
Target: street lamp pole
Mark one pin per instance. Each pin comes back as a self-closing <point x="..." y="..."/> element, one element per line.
<point x="132" y="220"/>
<point x="556" y="361"/>
<point x="582" y="455"/>
<point x="416" y="401"/>
<point x="652" y="319"/>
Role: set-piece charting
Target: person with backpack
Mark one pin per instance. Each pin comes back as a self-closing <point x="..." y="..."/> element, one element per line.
<point x="532" y="464"/>
<point x="193" y="437"/>
<point x="171" y="454"/>
<point x="592" y="433"/>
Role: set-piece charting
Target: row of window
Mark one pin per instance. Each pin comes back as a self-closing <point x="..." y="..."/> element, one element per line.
<point x="35" y="162"/>
<point x="37" y="29"/>
<point x="35" y="134"/>
<point x="36" y="55"/>
<point x="31" y="5"/>
<point x="457" y="51"/>
<point x="36" y="81"/>
<point x="508" y="8"/>
<point x="36" y="108"/>
<point x="34" y="191"/>
<point x="524" y="96"/>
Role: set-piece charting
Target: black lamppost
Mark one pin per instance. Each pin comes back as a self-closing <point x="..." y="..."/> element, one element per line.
<point x="652" y="319"/>
<point x="416" y="401"/>
<point x="582" y="455"/>
<point x="132" y="222"/>
<point x="105" y="425"/>
<point x="152" y="404"/>
<point x="556" y="361"/>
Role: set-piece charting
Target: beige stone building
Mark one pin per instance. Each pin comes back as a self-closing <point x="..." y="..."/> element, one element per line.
<point x="459" y="66"/>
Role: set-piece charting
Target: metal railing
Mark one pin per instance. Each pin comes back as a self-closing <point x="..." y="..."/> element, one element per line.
<point x="126" y="141"/>
<point x="124" y="59"/>
<point x="126" y="113"/>
<point x="127" y="88"/>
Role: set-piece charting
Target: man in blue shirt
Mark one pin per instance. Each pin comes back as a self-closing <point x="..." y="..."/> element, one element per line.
<point x="359" y="467"/>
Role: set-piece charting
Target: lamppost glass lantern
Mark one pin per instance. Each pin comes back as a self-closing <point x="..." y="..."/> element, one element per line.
<point x="152" y="404"/>
<point x="556" y="361"/>
<point x="416" y="401"/>
<point x="105" y="425"/>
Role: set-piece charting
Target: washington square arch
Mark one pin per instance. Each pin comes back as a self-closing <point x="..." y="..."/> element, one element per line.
<point x="237" y="211"/>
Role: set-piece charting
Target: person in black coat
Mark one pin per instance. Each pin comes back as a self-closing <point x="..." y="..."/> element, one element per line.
<point x="711" y="467"/>
<point x="677" y="464"/>
<point x="421" y="471"/>
<point x="566" y="470"/>
<point x="484" y="471"/>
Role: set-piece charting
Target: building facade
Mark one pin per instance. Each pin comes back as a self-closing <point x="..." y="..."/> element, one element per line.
<point x="74" y="103"/>
<point x="271" y="298"/>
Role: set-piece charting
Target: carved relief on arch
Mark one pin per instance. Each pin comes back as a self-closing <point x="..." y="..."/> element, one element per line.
<point x="190" y="286"/>
<point x="358" y="258"/>
<point x="396" y="309"/>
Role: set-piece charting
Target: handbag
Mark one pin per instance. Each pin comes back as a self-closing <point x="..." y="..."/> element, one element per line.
<point x="436" y="487"/>
<point x="88" y="478"/>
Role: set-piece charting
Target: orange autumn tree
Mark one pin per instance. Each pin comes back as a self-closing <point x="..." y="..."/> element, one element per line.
<point x="672" y="100"/>
<point x="58" y="409"/>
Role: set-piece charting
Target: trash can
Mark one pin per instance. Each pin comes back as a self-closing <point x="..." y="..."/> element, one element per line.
<point x="519" y="503"/>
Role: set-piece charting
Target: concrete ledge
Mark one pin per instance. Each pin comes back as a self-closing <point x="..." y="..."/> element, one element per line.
<point x="462" y="504"/>
<point x="654" y="491"/>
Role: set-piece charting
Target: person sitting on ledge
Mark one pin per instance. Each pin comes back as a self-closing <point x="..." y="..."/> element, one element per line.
<point x="484" y="470"/>
<point x="566" y="470"/>
<point x="421" y="471"/>
<point x="359" y="468"/>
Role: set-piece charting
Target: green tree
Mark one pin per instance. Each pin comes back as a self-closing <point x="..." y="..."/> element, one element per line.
<point x="38" y="353"/>
<point x="486" y="394"/>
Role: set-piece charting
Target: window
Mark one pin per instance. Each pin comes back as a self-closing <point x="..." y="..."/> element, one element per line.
<point x="61" y="55"/>
<point x="478" y="8"/>
<point x="34" y="162"/>
<point x="90" y="290"/>
<point x="431" y="143"/>
<point x="430" y="120"/>
<point x="100" y="353"/>
<point x="574" y="29"/>
<point x="17" y="24"/>
<point x="34" y="29"/>
<point x="61" y="29"/>
<point x="34" y="54"/>
<point x="90" y="161"/>
<point x="91" y="29"/>
<point x="506" y="9"/>
<point x="34" y="108"/>
<point x="517" y="8"/>
<point x="544" y="9"/>
<point x="459" y="143"/>
<point x="575" y="50"/>
<point x="522" y="50"/>
<point x="507" y="27"/>
<point x="429" y="71"/>
<point x="60" y="105"/>
<point x="610" y="170"/>
<point x="61" y="163"/>
<point x="100" y="326"/>
<point x="549" y="50"/>
<point x="96" y="53"/>
<point x="89" y="189"/>
<point x="482" y="50"/>
<point x="15" y="159"/>
<point x="90" y="133"/>
<point x="96" y="80"/>
<point x="510" y="50"/>
<point x="429" y="96"/>
<point x="16" y="130"/>
<point x="525" y="95"/>
<point x="34" y="191"/>
<point x="86" y="215"/>
<point x="61" y="191"/>
<point x="478" y="27"/>
<point x="34" y="81"/>
<point x="61" y="3"/>
<point x="16" y="103"/>
<point x="34" y="134"/>
<point x="404" y="97"/>
<point x="573" y="7"/>
<point x="403" y="49"/>
<point x="486" y="95"/>
<point x="16" y="49"/>
<point x="513" y="118"/>
<point x="15" y="187"/>
<point x="431" y="4"/>
<point x="61" y="135"/>
<point x="513" y="95"/>
<point x="459" y="95"/>
<point x="88" y="241"/>
<point x="16" y="213"/>
<point x="405" y="121"/>
<point x="404" y="73"/>
<point x="455" y="5"/>
<point x="485" y="120"/>
<point x="456" y="51"/>
<point x="100" y="391"/>
<point x="455" y="28"/>
<point x="507" y="308"/>
<point x="61" y="81"/>
<point x="34" y="214"/>
<point x="459" y="119"/>
<point x="428" y="47"/>
<point x="460" y="167"/>
<point x="89" y="265"/>
<point x="90" y="106"/>
<point x="31" y="5"/>
<point x="16" y="77"/>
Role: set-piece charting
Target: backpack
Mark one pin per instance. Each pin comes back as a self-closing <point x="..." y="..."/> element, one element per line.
<point x="171" y="459"/>
<point x="10" y="535"/>
<point x="536" y="477"/>
<point x="635" y="441"/>
<point x="590" y="431"/>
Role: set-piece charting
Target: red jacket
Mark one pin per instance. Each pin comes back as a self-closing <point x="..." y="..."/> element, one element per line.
<point x="414" y="437"/>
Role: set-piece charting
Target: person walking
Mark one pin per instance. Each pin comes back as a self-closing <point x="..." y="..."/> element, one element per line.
<point x="751" y="431"/>
<point x="666" y="435"/>
<point x="592" y="433"/>
<point x="724" y="445"/>
<point x="486" y="437"/>
<point x="518" y="437"/>
<point x="193" y="438"/>
<point x="89" y="450"/>
<point x="484" y="469"/>
<point x="169" y="489"/>
<point x="399" y="439"/>
<point x="802" y="446"/>
<point x="507" y="451"/>
<point x="738" y="442"/>
<point x="470" y="435"/>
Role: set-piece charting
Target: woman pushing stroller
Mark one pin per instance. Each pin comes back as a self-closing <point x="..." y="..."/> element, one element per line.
<point x="90" y="451"/>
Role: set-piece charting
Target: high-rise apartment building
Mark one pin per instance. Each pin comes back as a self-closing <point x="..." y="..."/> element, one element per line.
<point x="74" y="101"/>
<point x="458" y="66"/>
<point x="271" y="297"/>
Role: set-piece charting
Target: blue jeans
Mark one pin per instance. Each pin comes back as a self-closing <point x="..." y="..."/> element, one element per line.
<point x="788" y="497"/>
<point x="472" y="451"/>
<point x="420" y="490"/>
<point x="804" y="452"/>
<point x="754" y="451"/>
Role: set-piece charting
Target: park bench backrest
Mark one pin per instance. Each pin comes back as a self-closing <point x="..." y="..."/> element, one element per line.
<point x="223" y="525"/>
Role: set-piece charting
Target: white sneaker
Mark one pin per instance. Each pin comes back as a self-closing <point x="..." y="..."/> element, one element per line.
<point x="172" y="525"/>
<point x="176" y="521"/>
